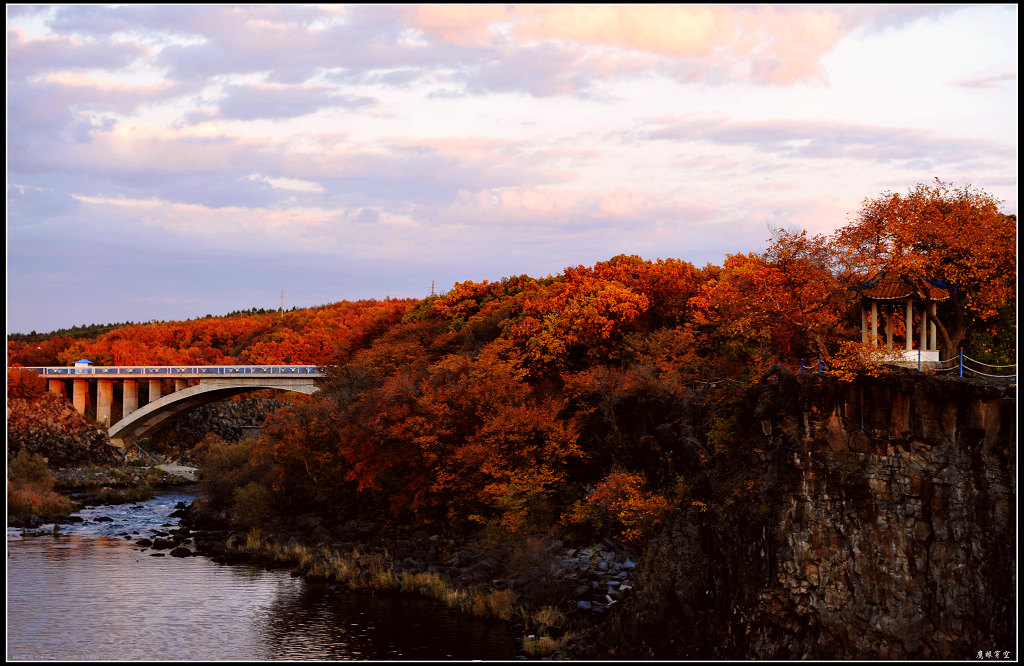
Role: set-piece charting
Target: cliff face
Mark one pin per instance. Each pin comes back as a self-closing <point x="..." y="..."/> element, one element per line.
<point x="50" y="427"/>
<point x="867" y="520"/>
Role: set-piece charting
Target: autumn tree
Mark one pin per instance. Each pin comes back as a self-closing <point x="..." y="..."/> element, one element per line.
<point x="938" y="233"/>
<point x="25" y="384"/>
<point x="783" y="304"/>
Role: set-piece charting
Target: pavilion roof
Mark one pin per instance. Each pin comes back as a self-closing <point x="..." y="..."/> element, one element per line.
<point x="890" y="287"/>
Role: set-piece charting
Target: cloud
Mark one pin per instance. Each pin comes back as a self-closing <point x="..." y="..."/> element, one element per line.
<point x="997" y="81"/>
<point x="28" y="204"/>
<point x="768" y="44"/>
<point x="27" y="56"/>
<point x="459" y="24"/>
<point x="833" y="140"/>
<point x="276" y="101"/>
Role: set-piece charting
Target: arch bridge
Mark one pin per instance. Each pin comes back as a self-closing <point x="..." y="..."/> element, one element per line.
<point x="190" y="387"/>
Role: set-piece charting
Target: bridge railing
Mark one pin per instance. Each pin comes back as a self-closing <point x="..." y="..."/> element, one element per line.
<point x="204" y="370"/>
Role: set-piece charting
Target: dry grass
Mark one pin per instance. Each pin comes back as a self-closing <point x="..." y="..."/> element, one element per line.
<point x="30" y="488"/>
<point x="33" y="501"/>
<point x="372" y="572"/>
<point x="542" y="646"/>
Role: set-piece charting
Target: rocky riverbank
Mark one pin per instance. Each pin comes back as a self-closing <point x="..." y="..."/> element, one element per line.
<point x="102" y="485"/>
<point x="552" y="590"/>
<point x="77" y="479"/>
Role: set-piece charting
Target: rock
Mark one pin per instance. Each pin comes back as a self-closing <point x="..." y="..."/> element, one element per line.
<point x="181" y="551"/>
<point x="876" y="521"/>
<point x="25" y="522"/>
<point x="144" y="543"/>
<point x="50" y="426"/>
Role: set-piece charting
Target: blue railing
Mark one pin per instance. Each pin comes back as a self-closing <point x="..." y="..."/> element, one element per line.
<point x="962" y="364"/>
<point x="810" y="366"/>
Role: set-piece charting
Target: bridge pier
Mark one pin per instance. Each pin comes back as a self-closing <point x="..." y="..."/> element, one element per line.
<point x="57" y="386"/>
<point x="104" y="401"/>
<point x="180" y="384"/>
<point x="155" y="390"/>
<point x="80" y="395"/>
<point x="129" y="397"/>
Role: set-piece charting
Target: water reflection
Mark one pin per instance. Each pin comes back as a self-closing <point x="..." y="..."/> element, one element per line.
<point x="317" y="622"/>
<point x="90" y="593"/>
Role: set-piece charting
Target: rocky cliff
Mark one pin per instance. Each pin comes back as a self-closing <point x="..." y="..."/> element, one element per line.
<point x="230" y="420"/>
<point x="867" y="520"/>
<point x="50" y="426"/>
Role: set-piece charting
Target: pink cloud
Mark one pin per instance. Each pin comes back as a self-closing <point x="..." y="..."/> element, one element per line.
<point x="997" y="81"/>
<point x="468" y="25"/>
<point x="571" y="207"/>
<point x="33" y="55"/>
<point x="761" y="43"/>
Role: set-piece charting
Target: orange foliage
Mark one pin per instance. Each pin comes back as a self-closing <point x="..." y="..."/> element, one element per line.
<point x="314" y="336"/>
<point x="576" y="319"/>
<point x="955" y="235"/>
<point x="37" y="354"/>
<point x="488" y="402"/>
<point x="25" y="384"/>
<point x="784" y="304"/>
<point x="619" y="503"/>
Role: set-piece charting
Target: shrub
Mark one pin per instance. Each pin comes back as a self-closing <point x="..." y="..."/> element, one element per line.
<point x="252" y="506"/>
<point x="25" y="384"/>
<point x="857" y="359"/>
<point x="620" y="504"/>
<point x="30" y="488"/>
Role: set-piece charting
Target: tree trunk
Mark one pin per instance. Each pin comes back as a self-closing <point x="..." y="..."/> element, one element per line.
<point x="954" y="334"/>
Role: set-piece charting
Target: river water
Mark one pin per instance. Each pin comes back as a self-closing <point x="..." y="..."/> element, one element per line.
<point x="89" y="593"/>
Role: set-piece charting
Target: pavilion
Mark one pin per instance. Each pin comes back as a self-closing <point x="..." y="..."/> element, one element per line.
<point x="890" y="292"/>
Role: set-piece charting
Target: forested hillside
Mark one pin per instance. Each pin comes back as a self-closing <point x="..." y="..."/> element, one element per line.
<point x="530" y="401"/>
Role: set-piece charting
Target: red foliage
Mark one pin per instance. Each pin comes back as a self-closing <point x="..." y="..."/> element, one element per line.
<point x="25" y="384"/>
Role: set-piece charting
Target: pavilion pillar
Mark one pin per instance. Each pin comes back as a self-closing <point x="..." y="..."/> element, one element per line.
<point x="888" y="327"/>
<point x="863" y="323"/>
<point x="909" y="317"/>
<point x="104" y="400"/>
<point x="931" y="328"/>
<point x="155" y="389"/>
<point x="57" y="386"/>
<point x="129" y="397"/>
<point x="874" y="323"/>
<point x="81" y="395"/>
<point x="922" y="335"/>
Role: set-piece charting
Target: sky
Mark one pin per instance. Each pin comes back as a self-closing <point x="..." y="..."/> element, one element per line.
<point x="165" y="162"/>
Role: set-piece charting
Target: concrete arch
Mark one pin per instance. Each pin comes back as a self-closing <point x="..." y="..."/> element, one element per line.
<point x="143" y="421"/>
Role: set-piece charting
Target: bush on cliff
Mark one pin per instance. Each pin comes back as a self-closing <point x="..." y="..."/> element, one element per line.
<point x="620" y="506"/>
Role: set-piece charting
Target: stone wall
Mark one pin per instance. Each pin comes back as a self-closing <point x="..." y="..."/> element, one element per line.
<point x="866" y="520"/>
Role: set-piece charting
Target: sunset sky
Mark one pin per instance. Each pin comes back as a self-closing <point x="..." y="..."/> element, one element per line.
<point x="166" y="162"/>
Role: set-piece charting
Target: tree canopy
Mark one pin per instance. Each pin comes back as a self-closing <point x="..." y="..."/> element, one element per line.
<point x="938" y="233"/>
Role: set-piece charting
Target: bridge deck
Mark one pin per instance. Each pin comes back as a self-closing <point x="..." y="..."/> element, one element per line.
<point x="178" y="372"/>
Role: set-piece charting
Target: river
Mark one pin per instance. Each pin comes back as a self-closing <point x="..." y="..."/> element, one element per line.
<point x="90" y="593"/>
